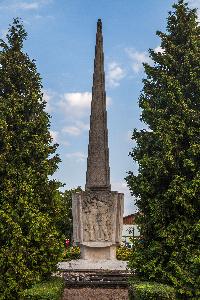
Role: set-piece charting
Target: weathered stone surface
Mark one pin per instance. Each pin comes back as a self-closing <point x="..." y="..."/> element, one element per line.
<point x="98" y="171"/>
<point x="97" y="218"/>
<point x="90" y="264"/>
<point x="98" y="252"/>
<point x="87" y="293"/>
<point x="98" y="212"/>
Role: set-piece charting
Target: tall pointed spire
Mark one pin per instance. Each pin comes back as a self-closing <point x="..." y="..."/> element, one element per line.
<point x="98" y="171"/>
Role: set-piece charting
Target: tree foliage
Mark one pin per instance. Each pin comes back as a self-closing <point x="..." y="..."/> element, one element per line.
<point x="65" y="221"/>
<point x="167" y="186"/>
<point x="29" y="201"/>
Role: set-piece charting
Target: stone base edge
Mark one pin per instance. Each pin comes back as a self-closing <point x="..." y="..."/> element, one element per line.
<point x="85" y="264"/>
<point x="95" y="278"/>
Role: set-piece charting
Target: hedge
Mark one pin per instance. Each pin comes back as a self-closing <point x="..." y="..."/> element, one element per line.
<point x="122" y="253"/>
<point x="72" y="253"/>
<point x="48" y="290"/>
<point x="151" y="291"/>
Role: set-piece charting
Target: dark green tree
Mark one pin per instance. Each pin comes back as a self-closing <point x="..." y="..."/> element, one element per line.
<point x="167" y="186"/>
<point x="30" y="244"/>
<point x="65" y="219"/>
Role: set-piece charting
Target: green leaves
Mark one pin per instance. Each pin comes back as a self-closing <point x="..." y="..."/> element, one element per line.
<point x="30" y="243"/>
<point x="151" y="291"/>
<point x="64" y="221"/>
<point x="167" y="185"/>
<point x="47" y="290"/>
<point x="16" y="34"/>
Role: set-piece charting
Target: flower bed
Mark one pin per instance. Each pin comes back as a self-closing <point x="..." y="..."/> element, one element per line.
<point x="123" y="253"/>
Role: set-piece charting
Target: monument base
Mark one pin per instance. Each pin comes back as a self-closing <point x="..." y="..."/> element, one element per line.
<point x="86" y="264"/>
<point x="84" y="272"/>
<point x="96" y="254"/>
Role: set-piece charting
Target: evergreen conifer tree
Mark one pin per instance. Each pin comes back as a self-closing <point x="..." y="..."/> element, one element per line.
<point x="167" y="186"/>
<point x="30" y="245"/>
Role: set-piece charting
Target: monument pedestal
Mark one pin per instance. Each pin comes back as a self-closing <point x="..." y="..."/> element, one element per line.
<point x="91" y="273"/>
<point x="97" y="253"/>
<point x="84" y="265"/>
<point x="97" y="227"/>
<point x="97" y="223"/>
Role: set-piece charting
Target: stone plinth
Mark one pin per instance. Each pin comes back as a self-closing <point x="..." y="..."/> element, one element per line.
<point x="97" y="223"/>
<point x="103" y="273"/>
<point x="90" y="265"/>
<point x="96" y="253"/>
<point x="82" y="272"/>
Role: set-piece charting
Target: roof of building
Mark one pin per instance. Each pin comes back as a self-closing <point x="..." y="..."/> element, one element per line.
<point x="130" y="219"/>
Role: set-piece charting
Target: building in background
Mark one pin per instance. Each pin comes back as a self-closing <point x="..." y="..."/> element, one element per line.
<point x="130" y="230"/>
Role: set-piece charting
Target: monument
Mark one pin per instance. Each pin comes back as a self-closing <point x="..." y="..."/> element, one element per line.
<point x="97" y="211"/>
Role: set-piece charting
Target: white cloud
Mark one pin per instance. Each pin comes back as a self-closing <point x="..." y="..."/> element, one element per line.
<point x="57" y="138"/>
<point x="76" y="103"/>
<point x="76" y="129"/>
<point x="120" y="187"/>
<point x="24" y="5"/>
<point x="78" y="100"/>
<point x="27" y="6"/>
<point x="54" y="135"/>
<point x="64" y="143"/>
<point x="42" y="17"/>
<point x="108" y="101"/>
<point x="137" y="58"/>
<point x="159" y="49"/>
<point x="77" y="156"/>
<point x="195" y="4"/>
<point x="71" y="130"/>
<point x="115" y="74"/>
<point x="76" y="106"/>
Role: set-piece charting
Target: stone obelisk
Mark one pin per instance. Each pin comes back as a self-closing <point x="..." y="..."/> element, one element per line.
<point x="98" y="171"/>
<point x="97" y="211"/>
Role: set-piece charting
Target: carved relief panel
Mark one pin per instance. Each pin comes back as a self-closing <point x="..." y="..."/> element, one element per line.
<point x="97" y="218"/>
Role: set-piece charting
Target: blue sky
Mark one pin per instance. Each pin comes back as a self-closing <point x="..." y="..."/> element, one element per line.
<point x="61" y="37"/>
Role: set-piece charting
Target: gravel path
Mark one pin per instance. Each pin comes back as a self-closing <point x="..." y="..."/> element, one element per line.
<point x="95" y="294"/>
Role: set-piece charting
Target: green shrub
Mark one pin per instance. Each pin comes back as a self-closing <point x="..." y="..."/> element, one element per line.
<point x="72" y="253"/>
<point x="123" y="253"/>
<point x="49" y="290"/>
<point x="151" y="291"/>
